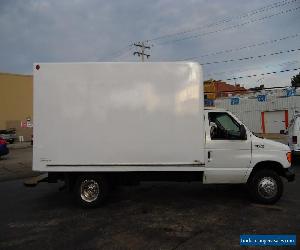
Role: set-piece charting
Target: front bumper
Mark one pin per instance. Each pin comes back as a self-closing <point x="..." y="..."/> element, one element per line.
<point x="289" y="173"/>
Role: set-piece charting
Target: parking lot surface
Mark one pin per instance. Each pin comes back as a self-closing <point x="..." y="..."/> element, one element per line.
<point x="149" y="216"/>
<point x="17" y="164"/>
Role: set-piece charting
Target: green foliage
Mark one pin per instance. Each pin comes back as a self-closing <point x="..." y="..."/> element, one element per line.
<point x="295" y="81"/>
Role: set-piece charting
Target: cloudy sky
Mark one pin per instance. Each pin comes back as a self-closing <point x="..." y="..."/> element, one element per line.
<point x="204" y="30"/>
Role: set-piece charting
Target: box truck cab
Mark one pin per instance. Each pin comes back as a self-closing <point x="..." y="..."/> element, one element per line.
<point x="147" y="122"/>
<point x="234" y="152"/>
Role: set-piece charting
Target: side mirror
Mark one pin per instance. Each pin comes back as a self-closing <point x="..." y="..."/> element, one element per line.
<point x="243" y="132"/>
<point x="213" y="129"/>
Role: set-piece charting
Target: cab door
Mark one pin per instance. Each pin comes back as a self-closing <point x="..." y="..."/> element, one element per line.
<point x="228" y="155"/>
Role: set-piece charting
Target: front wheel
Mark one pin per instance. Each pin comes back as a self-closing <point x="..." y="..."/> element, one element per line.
<point x="91" y="190"/>
<point x="266" y="186"/>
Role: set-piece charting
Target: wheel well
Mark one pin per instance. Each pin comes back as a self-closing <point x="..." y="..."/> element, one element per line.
<point x="272" y="165"/>
<point x="71" y="178"/>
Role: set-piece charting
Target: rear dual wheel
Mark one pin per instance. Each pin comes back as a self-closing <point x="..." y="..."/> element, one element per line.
<point x="91" y="190"/>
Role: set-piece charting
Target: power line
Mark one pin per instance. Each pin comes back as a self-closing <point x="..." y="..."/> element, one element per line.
<point x="252" y="57"/>
<point x="125" y="52"/>
<point x="195" y="36"/>
<point x="226" y="20"/>
<point x="236" y="71"/>
<point x="242" y="48"/>
<point x="120" y="52"/>
<point x="261" y="74"/>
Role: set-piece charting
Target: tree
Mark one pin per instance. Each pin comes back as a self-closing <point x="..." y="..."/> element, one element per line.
<point x="295" y="81"/>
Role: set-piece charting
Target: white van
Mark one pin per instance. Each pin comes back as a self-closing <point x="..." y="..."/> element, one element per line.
<point x="143" y="122"/>
<point x="294" y="134"/>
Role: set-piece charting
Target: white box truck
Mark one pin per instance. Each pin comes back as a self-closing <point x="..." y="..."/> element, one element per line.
<point x="102" y="124"/>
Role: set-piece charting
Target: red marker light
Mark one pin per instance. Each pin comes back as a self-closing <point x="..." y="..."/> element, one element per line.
<point x="37" y="67"/>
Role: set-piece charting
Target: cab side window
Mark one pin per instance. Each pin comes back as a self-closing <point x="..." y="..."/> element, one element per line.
<point x="223" y="126"/>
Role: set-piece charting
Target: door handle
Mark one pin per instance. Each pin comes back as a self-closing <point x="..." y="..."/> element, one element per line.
<point x="209" y="155"/>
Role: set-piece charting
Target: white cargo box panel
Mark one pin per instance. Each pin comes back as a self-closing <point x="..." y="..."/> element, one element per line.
<point x="118" y="117"/>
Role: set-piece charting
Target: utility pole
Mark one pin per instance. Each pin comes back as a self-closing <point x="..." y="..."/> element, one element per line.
<point x="141" y="50"/>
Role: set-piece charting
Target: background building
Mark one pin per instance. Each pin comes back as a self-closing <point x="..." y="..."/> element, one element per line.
<point x="215" y="89"/>
<point x="264" y="111"/>
<point x="16" y="103"/>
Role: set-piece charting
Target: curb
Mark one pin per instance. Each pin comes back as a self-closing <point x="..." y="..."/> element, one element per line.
<point x="19" y="145"/>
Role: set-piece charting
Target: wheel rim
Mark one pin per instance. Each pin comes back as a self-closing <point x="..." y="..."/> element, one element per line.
<point x="89" y="190"/>
<point x="267" y="187"/>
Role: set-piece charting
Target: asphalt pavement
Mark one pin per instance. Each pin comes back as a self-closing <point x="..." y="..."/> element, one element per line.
<point x="149" y="216"/>
<point x="17" y="164"/>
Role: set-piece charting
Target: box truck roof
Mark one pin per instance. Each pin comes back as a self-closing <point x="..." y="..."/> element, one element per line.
<point x="117" y="113"/>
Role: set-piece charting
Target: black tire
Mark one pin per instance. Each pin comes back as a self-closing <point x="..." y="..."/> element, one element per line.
<point x="86" y="187"/>
<point x="265" y="186"/>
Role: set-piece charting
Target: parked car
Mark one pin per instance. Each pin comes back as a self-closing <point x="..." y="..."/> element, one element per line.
<point x="9" y="135"/>
<point x="3" y="147"/>
<point x="294" y="135"/>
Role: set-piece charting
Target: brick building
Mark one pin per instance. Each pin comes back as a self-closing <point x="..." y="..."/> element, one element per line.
<point x="215" y="89"/>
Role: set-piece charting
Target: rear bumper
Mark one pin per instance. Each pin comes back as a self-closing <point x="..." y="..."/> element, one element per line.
<point x="289" y="173"/>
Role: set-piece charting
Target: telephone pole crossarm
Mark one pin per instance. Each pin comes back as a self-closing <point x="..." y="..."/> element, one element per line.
<point x="141" y="52"/>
